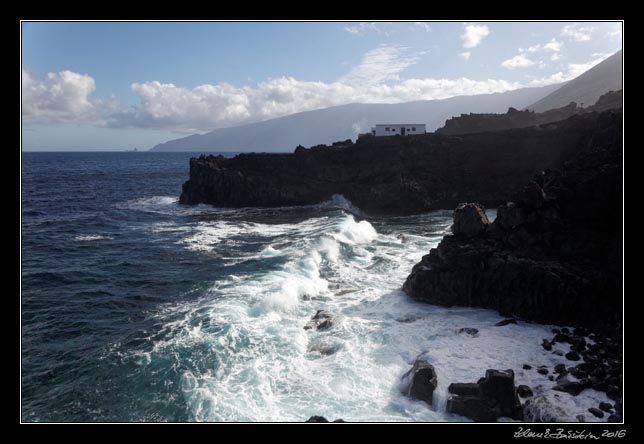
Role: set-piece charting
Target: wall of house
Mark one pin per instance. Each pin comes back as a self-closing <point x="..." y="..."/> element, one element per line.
<point x="393" y="130"/>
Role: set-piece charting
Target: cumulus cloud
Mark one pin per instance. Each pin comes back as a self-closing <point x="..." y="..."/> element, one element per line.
<point x="466" y="55"/>
<point x="61" y="97"/>
<point x="473" y="35"/>
<point x="577" y="32"/>
<point x="376" y="79"/>
<point x="552" y="46"/>
<point x="518" y="61"/>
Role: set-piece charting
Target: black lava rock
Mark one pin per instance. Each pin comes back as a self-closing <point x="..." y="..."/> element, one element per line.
<point x="596" y="412"/>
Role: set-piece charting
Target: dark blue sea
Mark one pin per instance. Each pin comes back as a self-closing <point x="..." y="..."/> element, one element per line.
<point x="137" y="308"/>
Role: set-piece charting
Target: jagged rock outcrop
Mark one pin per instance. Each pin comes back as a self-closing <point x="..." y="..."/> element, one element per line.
<point x="421" y="380"/>
<point x="554" y="252"/>
<point x="469" y="219"/>
<point x="431" y="171"/>
<point x="493" y="397"/>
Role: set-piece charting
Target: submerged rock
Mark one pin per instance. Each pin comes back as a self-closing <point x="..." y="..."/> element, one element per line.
<point x="541" y="409"/>
<point x="505" y="322"/>
<point x="322" y="320"/>
<point x="473" y="332"/>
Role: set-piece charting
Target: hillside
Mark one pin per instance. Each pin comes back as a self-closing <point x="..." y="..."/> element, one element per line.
<point x="327" y="125"/>
<point x="587" y="88"/>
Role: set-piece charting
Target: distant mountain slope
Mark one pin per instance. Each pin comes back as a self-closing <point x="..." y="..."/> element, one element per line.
<point x="328" y="125"/>
<point x="586" y="88"/>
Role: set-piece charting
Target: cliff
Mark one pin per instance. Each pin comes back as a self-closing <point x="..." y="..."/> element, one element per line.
<point x="554" y="252"/>
<point x="393" y="175"/>
<point x="478" y="123"/>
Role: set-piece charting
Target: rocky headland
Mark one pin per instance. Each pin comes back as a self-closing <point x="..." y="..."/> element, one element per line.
<point x="432" y="171"/>
<point x="554" y="253"/>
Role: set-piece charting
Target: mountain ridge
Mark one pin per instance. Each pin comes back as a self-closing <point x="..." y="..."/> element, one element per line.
<point x="326" y="125"/>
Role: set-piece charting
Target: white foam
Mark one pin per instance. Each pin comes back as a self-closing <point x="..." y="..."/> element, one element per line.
<point x="261" y="365"/>
<point x="91" y="237"/>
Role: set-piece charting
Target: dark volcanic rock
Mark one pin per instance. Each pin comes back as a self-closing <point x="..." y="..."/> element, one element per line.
<point x="317" y="419"/>
<point x="430" y="171"/>
<point x="496" y="398"/>
<point x="605" y="407"/>
<point x="574" y="388"/>
<point x="322" y="320"/>
<point x="322" y="419"/>
<point x="560" y="368"/>
<point x="596" y="412"/>
<point x="573" y="356"/>
<point x="552" y="255"/>
<point x="463" y="388"/>
<point x="420" y="381"/>
<point x="542" y="371"/>
<point x="524" y="391"/>
<point x="527" y="367"/>
<point x="469" y="331"/>
<point x="469" y="220"/>
<point x="505" y="322"/>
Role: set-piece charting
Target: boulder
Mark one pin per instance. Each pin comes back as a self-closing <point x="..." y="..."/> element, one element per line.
<point x="596" y="412"/>
<point x="496" y="398"/>
<point x="463" y="388"/>
<point x="505" y="322"/>
<point x="469" y="219"/>
<point x="524" y="391"/>
<point x="420" y="381"/>
<point x="572" y="387"/>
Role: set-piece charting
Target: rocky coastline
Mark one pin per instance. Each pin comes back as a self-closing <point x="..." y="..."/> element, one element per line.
<point x="432" y="171"/>
<point x="553" y="255"/>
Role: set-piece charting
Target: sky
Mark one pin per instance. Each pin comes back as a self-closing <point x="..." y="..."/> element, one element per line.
<point x="112" y="86"/>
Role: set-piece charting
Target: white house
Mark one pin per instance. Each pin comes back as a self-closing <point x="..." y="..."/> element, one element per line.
<point x="393" y="129"/>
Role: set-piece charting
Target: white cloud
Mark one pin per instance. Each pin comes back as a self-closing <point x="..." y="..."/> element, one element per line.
<point x="553" y="45"/>
<point x="382" y="64"/>
<point x="555" y="57"/>
<point x="376" y="79"/>
<point x="473" y="35"/>
<point x="577" y="32"/>
<point x="67" y="96"/>
<point x="62" y="97"/>
<point x="518" y="61"/>
<point x="614" y="35"/>
<point x="423" y="25"/>
<point x="363" y="27"/>
<point x="466" y="55"/>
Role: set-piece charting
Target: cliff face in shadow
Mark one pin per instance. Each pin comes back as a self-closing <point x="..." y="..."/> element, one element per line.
<point x="479" y="123"/>
<point x="554" y="252"/>
<point x="393" y="175"/>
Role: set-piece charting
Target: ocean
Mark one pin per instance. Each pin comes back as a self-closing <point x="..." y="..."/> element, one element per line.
<point x="137" y="308"/>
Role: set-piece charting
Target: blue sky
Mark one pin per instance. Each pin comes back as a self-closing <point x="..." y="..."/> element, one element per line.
<point x="115" y="86"/>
